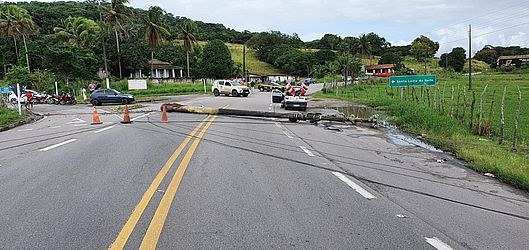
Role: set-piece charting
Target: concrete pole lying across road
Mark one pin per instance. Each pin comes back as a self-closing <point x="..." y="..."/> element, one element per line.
<point x="291" y="116"/>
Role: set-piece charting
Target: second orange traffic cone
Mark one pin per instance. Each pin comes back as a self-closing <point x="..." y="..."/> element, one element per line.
<point x="126" y="116"/>
<point x="164" y="114"/>
<point x="95" y="118"/>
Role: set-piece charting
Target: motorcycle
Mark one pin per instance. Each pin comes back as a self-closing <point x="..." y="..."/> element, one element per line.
<point x="55" y="99"/>
<point x="67" y="99"/>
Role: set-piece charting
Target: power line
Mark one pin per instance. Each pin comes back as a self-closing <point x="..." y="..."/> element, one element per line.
<point x="487" y="33"/>
<point x="485" y="14"/>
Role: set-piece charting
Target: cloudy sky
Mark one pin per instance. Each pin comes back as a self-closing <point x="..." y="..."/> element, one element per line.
<point x="399" y="21"/>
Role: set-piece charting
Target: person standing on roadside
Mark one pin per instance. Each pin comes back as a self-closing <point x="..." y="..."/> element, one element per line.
<point x="29" y="100"/>
<point x="92" y="87"/>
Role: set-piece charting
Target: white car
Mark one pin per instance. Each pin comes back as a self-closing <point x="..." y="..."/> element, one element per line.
<point x="13" y="98"/>
<point x="228" y="87"/>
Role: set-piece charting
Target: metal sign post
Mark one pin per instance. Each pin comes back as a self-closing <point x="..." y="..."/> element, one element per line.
<point x="56" y="89"/>
<point x="204" y="82"/>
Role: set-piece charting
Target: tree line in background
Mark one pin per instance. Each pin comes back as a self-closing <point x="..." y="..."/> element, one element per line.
<point x="72" y="41"/>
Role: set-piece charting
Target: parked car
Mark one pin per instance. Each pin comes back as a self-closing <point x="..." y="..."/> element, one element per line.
<point x="309" y="81"/>
<point x="277" y="96"/>
<point x="13" y="98"/>
<point x="101" y="96"/>
<point x="228" y="87"/>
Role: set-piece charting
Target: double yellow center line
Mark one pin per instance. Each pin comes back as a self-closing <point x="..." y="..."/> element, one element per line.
<point x="155" y="227"/>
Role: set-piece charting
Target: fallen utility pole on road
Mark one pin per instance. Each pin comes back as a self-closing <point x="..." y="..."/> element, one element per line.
<point x="291" y="116"/>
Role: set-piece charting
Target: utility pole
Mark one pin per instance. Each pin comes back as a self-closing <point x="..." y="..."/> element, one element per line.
<point x="244" y="62"/>
<point x="103" y="38"/>
<point x="469" y="57"/>
<point x="425" y="58"/>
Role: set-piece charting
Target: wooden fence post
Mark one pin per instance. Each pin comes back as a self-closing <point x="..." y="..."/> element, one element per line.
<point x="464" y="104"/>
<point x="452" y="110"/>
<point x="480" y="119"/>
<point x="435" y="97"/>
<point x="443" y="101"/>
<point x="491" y="114"/>
<point x="517" y="119"/>
<point x="458" y="95"/>
<point x="472" y="110"/>
<point x="502" y="115"/>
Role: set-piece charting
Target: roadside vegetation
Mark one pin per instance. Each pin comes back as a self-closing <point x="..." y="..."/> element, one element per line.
<point x="9" y="117"/>
<point x="455" y="129"/>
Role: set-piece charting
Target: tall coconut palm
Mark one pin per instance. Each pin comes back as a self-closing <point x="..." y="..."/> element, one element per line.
<point x="364" y="46"/>
<point x="115" y="15"/>
<point x="155" y="33"/>
<point x="331" y="69"/>
<point x="78" y="31"/>
<point x="188" y="31"/>
<point x="15" y="22"/>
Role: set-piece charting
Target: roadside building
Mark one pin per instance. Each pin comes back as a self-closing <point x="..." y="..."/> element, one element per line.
<point x="512" y="61"/>
<point x="252" y="77"/>
<point x="278" y="78"/>
<point x="381" y="70"/>
<point x="161" y="72"/>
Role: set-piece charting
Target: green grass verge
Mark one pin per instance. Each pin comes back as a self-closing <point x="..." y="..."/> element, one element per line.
<point x="482" y="153"/>
<point x="9" y="117"/>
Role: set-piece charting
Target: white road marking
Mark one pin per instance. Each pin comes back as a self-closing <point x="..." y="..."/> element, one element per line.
<point x="79" y="125"/>
<point x="75" y="122"/>
<point x="354" y="186"/>
<point x="438" y="244"/>
<point x="103" y="129"/>
<point x="104" y="111"/>
<point x="139" y="117"/>
<point x="79" y="120"/>
<point x="306" y="151"/>
<point x="27" y="129"/>
<point x="57" y="145"/>
<point x="121" y="118"/>
<point x="55" y="127"/>
<point x="288" y="135"/>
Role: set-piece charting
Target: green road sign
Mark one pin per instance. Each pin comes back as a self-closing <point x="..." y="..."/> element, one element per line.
<point x="412" y="81"/>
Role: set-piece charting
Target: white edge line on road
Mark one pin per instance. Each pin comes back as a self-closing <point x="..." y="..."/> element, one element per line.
<point x="354" y="186"/>
<point x="79" y="125"/>
<point x="438" y="244"/>
<point x="79" y="120"/>
<point x="55" y="127"/>
<point x="27" y="129"/>
<point x="141" y="116"/>
<point x="121" y="118"/>
<point x="103" y="129"/>
<point x="76" y="122"/>
<point x="306" y="151"/>
<point x="57" y="145"/>
<point x="288" y="135"/>
<point x="104" y="111"/>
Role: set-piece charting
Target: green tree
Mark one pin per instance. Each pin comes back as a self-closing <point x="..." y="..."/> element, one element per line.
<point x="391" y="58"/>
<point x="363" y="46"/>
<point x="488" y="55"/>
<point x="216" y="60"/>
<point x="423" y="48"/>
<point x="188" y="31"/>
<point x="155" y="31"/>
<point x="115" y="16"/>
<point x="330" y="41"/>
<point x="14" y="22"/>
<point x="331" y="69"/>
<point x="348" y="65"/>
<point x="78" y="31"/>
<point x="455" y="59"/>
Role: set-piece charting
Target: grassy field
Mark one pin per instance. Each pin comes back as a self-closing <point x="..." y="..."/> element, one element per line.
<point x="9" y="116"/>
<point x="253" y="64"/>
<point x="451" y="130"/>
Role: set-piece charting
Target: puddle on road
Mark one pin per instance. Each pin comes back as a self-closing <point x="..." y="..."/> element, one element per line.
<point x="398" y="138"/>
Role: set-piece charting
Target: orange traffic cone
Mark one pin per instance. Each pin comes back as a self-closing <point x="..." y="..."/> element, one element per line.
<point x="95" y="118"/>
<point x="164" y="114"/>
<point x="126" y="116"/>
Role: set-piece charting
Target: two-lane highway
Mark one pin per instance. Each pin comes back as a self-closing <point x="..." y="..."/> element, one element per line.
<point x="231" y="182"/>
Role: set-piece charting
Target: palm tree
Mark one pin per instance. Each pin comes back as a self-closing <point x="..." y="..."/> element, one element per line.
<point x="78" y="31"/>
<point x="331" y="69"/>
<point x="188" y="31"/>
<point x="115" y="15"/>
<point x="155" y="33"/>
<point x="364" y="46"/>
<point x="14" y="22"/>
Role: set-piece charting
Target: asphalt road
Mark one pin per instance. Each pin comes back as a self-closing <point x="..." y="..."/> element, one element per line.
<point x="248" y="183"/>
